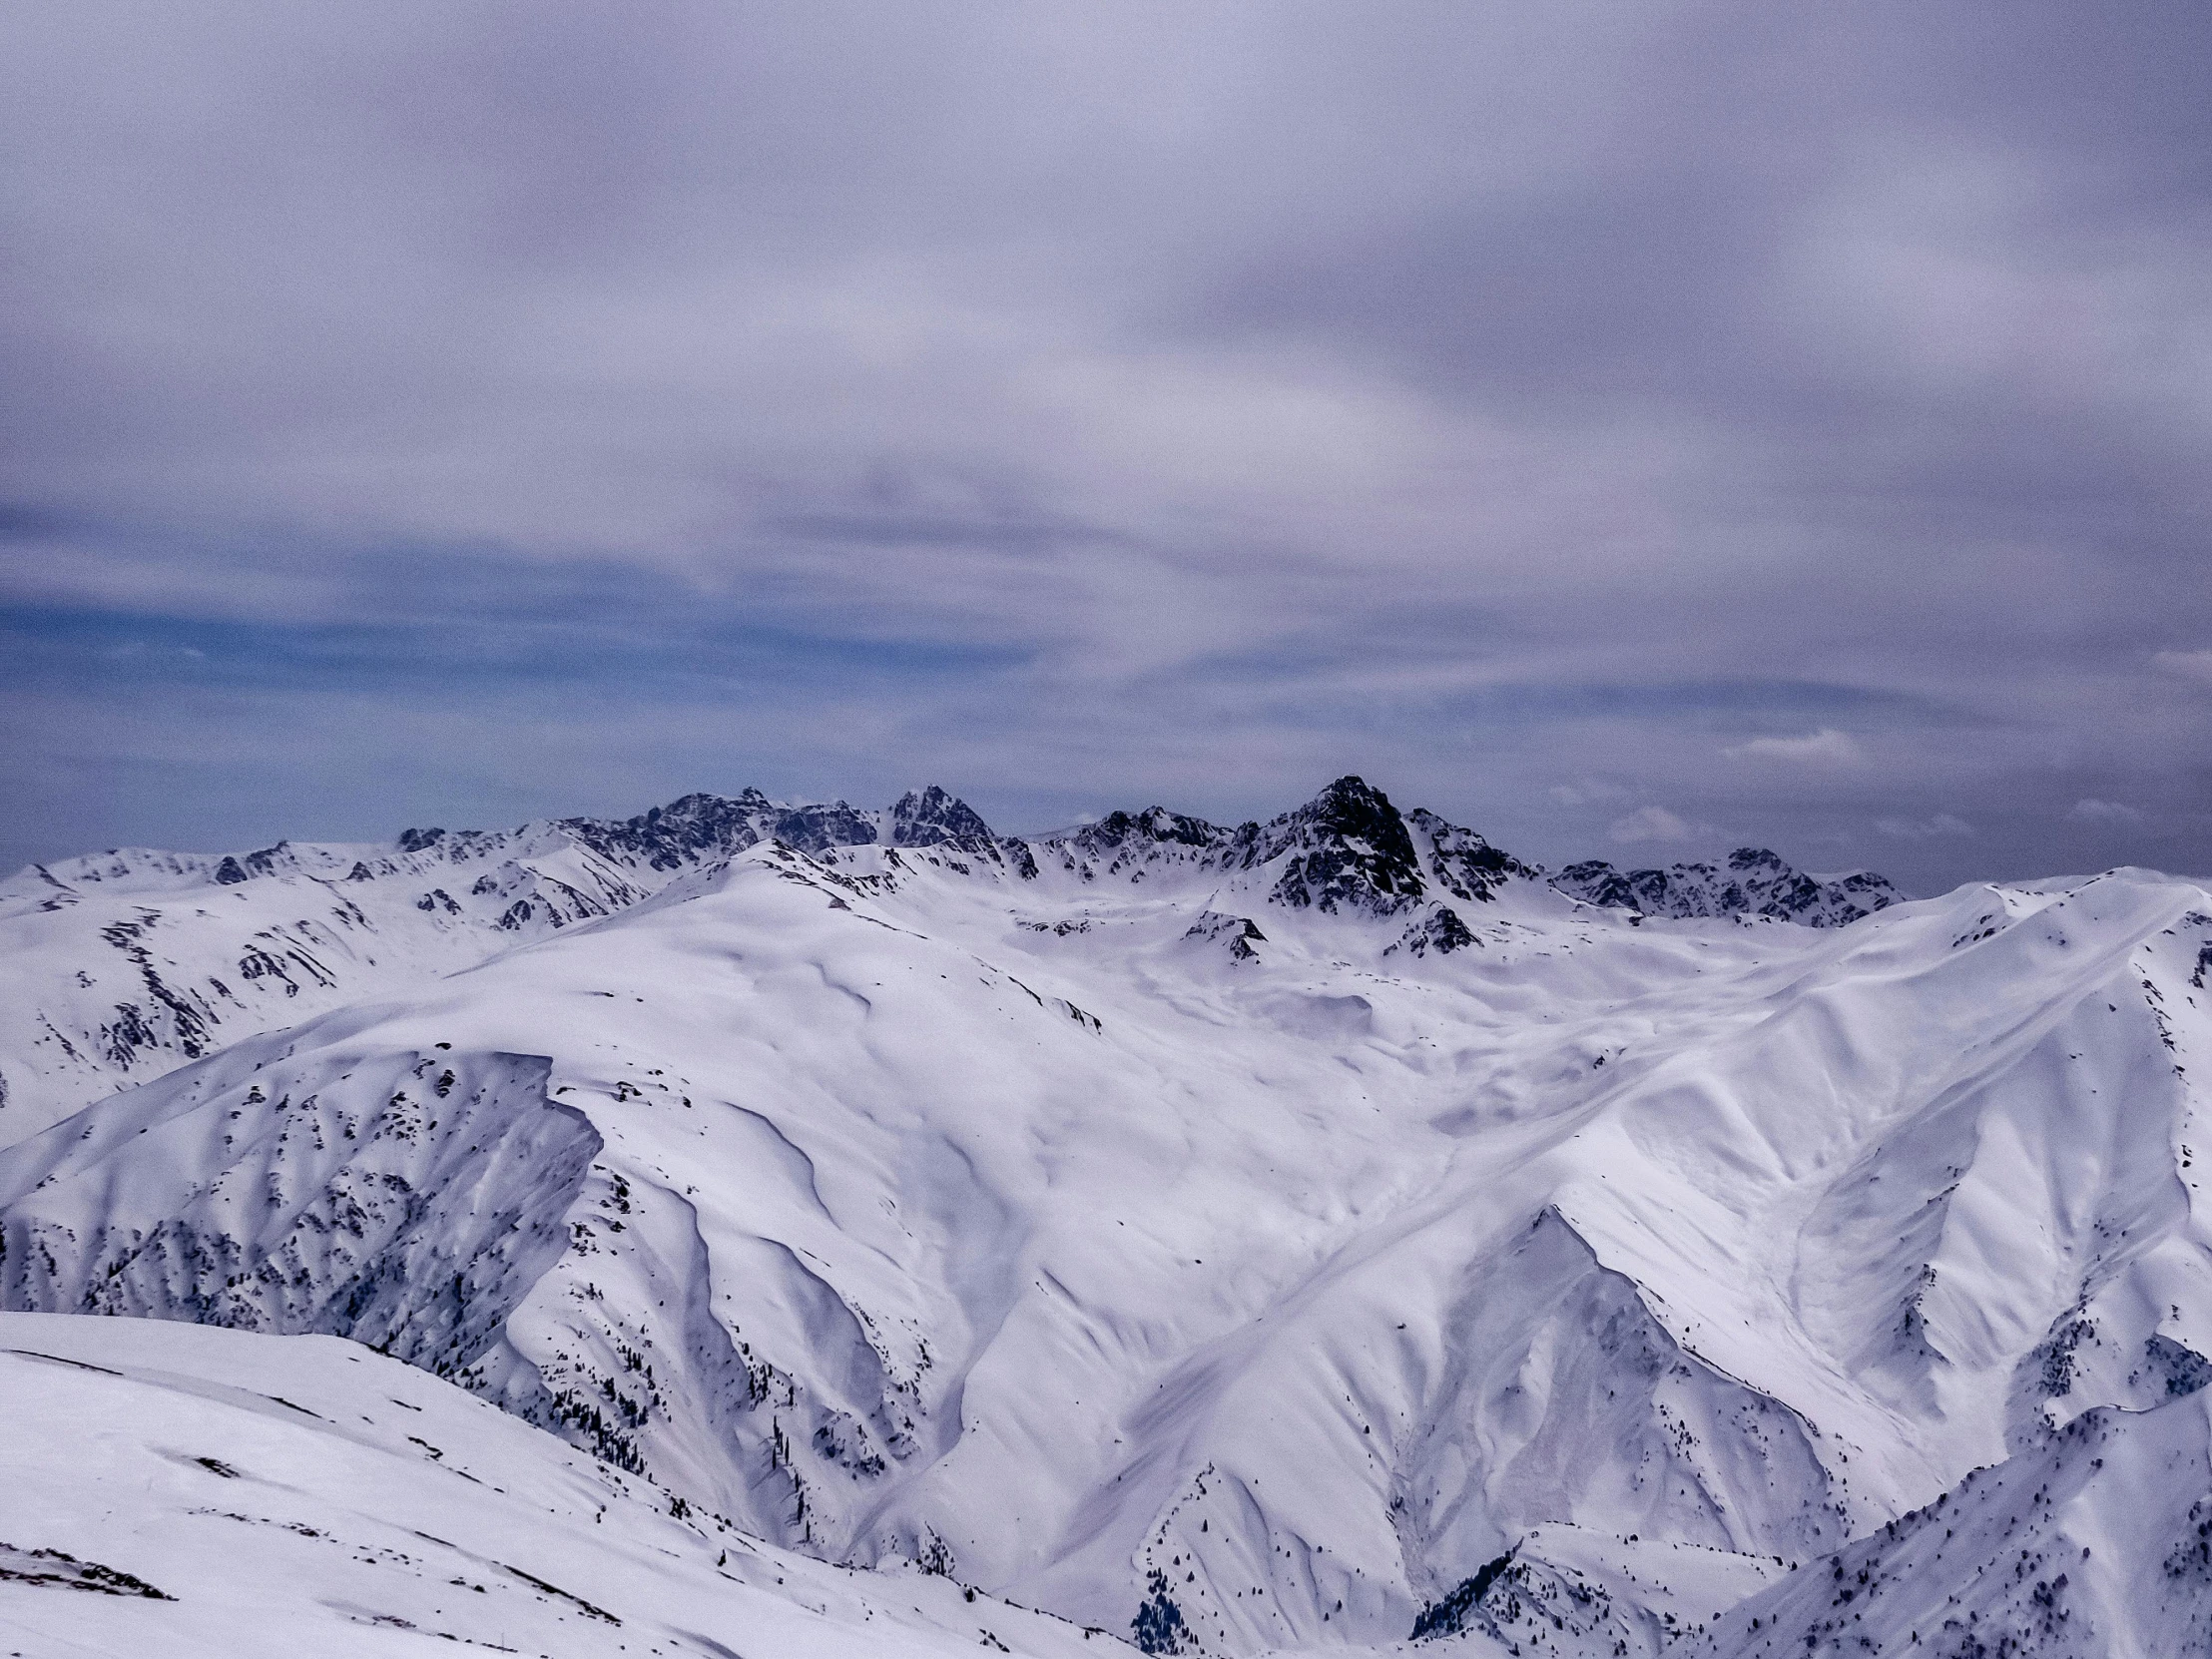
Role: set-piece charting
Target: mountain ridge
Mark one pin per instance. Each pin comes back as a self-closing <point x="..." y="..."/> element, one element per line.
<point x="192" y="977"/>
<point x="1155" y="1234"/>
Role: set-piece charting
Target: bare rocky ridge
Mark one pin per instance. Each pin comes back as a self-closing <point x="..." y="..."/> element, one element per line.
<point x="1753" y="882"/>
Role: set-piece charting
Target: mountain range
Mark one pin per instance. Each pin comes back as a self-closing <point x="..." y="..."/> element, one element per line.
<point x="1331" y="1233"/>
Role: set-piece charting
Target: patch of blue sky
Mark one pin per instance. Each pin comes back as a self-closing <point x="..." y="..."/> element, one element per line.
<point x="680" y="651"/>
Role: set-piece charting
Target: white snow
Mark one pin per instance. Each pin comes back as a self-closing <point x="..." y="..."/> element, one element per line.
<point x="391" y="1509"/>
<point x="900" y="1205"/>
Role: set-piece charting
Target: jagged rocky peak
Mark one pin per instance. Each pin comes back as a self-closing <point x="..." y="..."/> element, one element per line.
<point x="818" y="828"/>
<point x="237" y="867"/>
<point x="1154" y="825"/>
<point x="455" y="844"/>
<point x="686" y="829"/>
<point x="695" y="830"/>
<point x="931" y="817"/>
<point x="1754" y="882"/>
<point x="1348" y="849"/>
<point x="698" y="829"/>
<point x="1463" y="862"/>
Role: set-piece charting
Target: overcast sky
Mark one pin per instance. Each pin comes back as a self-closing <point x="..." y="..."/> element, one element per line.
<point x="1634" y="430"/>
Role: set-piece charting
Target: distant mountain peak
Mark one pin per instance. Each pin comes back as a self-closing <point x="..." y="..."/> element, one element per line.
<point x="1755" y="882"/>
<point x="1347" y="849"/>
<point x="1153" y="823"/>
<point x="1350" y="847"/>
<point x="929" y="817"/>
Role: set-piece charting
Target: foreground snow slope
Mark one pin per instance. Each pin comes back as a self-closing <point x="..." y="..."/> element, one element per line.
<point x="1237" y="1239"/>
<point x="389" y="1509"/>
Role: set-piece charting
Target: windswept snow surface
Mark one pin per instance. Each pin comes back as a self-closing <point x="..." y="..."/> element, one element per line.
<point x="1235" y="1240"/>
<point x="119" y="965"/>
<point x="167" y="1490"/>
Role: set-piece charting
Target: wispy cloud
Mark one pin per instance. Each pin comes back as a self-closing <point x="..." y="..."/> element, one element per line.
<point x="2090" y="810"/>
<point x="1587" y="792"/>
<point x="1915" y="829"/>
<point x="2190" y="665"/>
<point x="1655" y="823"/>
<point x="1825" y="747"/>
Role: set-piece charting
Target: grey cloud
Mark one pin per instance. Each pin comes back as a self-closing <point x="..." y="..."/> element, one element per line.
<point x="1656" y="823"/>
<point x="1490" y="403"/>
<point x="1941" y="824"/>
<point x="2090" y="810"/>
<point x="1826" y="748"/>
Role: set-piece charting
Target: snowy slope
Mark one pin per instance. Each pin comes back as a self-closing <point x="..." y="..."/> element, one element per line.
<point x="391" y="1510"/>
<point x="1233" y="1238"/>
<point x="120" y="965"/>
<point x="2098" y="1541"/>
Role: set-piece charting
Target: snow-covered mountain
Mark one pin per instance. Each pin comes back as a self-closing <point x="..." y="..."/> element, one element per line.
<point x="1754" y="882"/>
<point x="2097" y="1540"/>
<point x="1294" y="1235"/>
<point x="117" y="965"/>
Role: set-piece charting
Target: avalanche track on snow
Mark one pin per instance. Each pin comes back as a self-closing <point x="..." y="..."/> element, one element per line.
<point x="1287" y="1236"/>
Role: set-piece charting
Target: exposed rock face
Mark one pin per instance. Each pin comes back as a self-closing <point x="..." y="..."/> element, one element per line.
<point x="930" y="817"/>
<point x="1463" y="862"/>
<point x="1442" y="930"/>
<point x="408" y="1203"/>
<point x="1348" y="849"/>
<point x="1235" y="935"/>
<point x="698" y="829"/>
<point x="1753" y="882"/>
<point x="1153" y="825"/>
